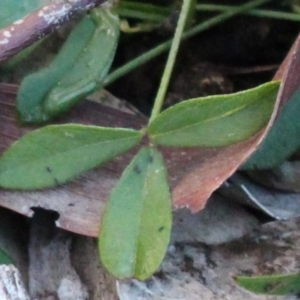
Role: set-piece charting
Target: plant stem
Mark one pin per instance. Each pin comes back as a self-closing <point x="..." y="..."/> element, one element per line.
<point x="164" y="83"/>
<point x="131" y="65"/>
<point x="254" y="12"/>
<point x="143" y="11"/>
<point x="191" y="14"/>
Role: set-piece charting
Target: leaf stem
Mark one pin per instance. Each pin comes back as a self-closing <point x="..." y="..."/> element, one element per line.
<point x="133" y="64"/>
<point x="185" y="12"/>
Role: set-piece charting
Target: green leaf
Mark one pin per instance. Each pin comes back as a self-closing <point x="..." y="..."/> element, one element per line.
<point x="78" y="69"/>
<point x="282" y="140"/>
<point x="216" y="120"/>
<point x="136" y="225"/>
<point x="35" y="87"/>
<point x="4" y="258"/>
<point x="54" y="154"/>
<point x="12" y="10"/>
<point x="271" y="285"/>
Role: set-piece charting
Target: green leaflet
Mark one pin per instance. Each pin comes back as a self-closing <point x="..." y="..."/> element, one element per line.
<point x="12" y="10"/>
<point x="282" y="140"/>
<point x="271" y="285"/>
<point x="216" y="120"/>
<point x="92" y="66"/>
<point x="35" y="87"/>
<point x="54" y="154"/>
<point x="136" y="225"/>
<point x="78" y="69"/>
<point x="4" y="258"/>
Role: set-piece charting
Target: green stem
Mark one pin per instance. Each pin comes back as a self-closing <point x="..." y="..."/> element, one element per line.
<point x="254" y="12"/>
<point x="159" y="100"/>
<point x="133" y="64"/>
<point x="191" y="15"/>
<point x="143" y="11"/>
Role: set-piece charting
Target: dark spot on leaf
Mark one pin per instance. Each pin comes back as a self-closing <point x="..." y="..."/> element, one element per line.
<point x="292" y="291"/>
<point x="48" y="169"/>
<point x="270" y="287"/>
<point x="137" y="169"/>
<point x="150" y="159"/>
<point x="56" y="181"/>
<point x="160" y="229"/>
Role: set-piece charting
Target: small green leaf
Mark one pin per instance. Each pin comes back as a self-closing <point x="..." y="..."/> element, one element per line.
<point x="216" y="120"/>
<point x="4" y="258"/>
<point x="54" y="154"/>
<point x="35" y="87"/>
<point x="271" y="285"/>
<point x="78" y="69"/>
<point x="136" y="225"/>
<point x="92" y="65"/>
<point x="282" y="140"/>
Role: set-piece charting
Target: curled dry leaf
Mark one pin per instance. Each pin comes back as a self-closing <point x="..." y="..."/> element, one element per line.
<point x="194" y="173"/>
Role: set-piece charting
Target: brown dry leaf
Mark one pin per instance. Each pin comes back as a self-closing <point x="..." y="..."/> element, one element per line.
<point x="194" y="173"/>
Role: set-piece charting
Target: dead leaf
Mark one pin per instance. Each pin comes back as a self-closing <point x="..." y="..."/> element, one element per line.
<point x="196" y="172"/>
